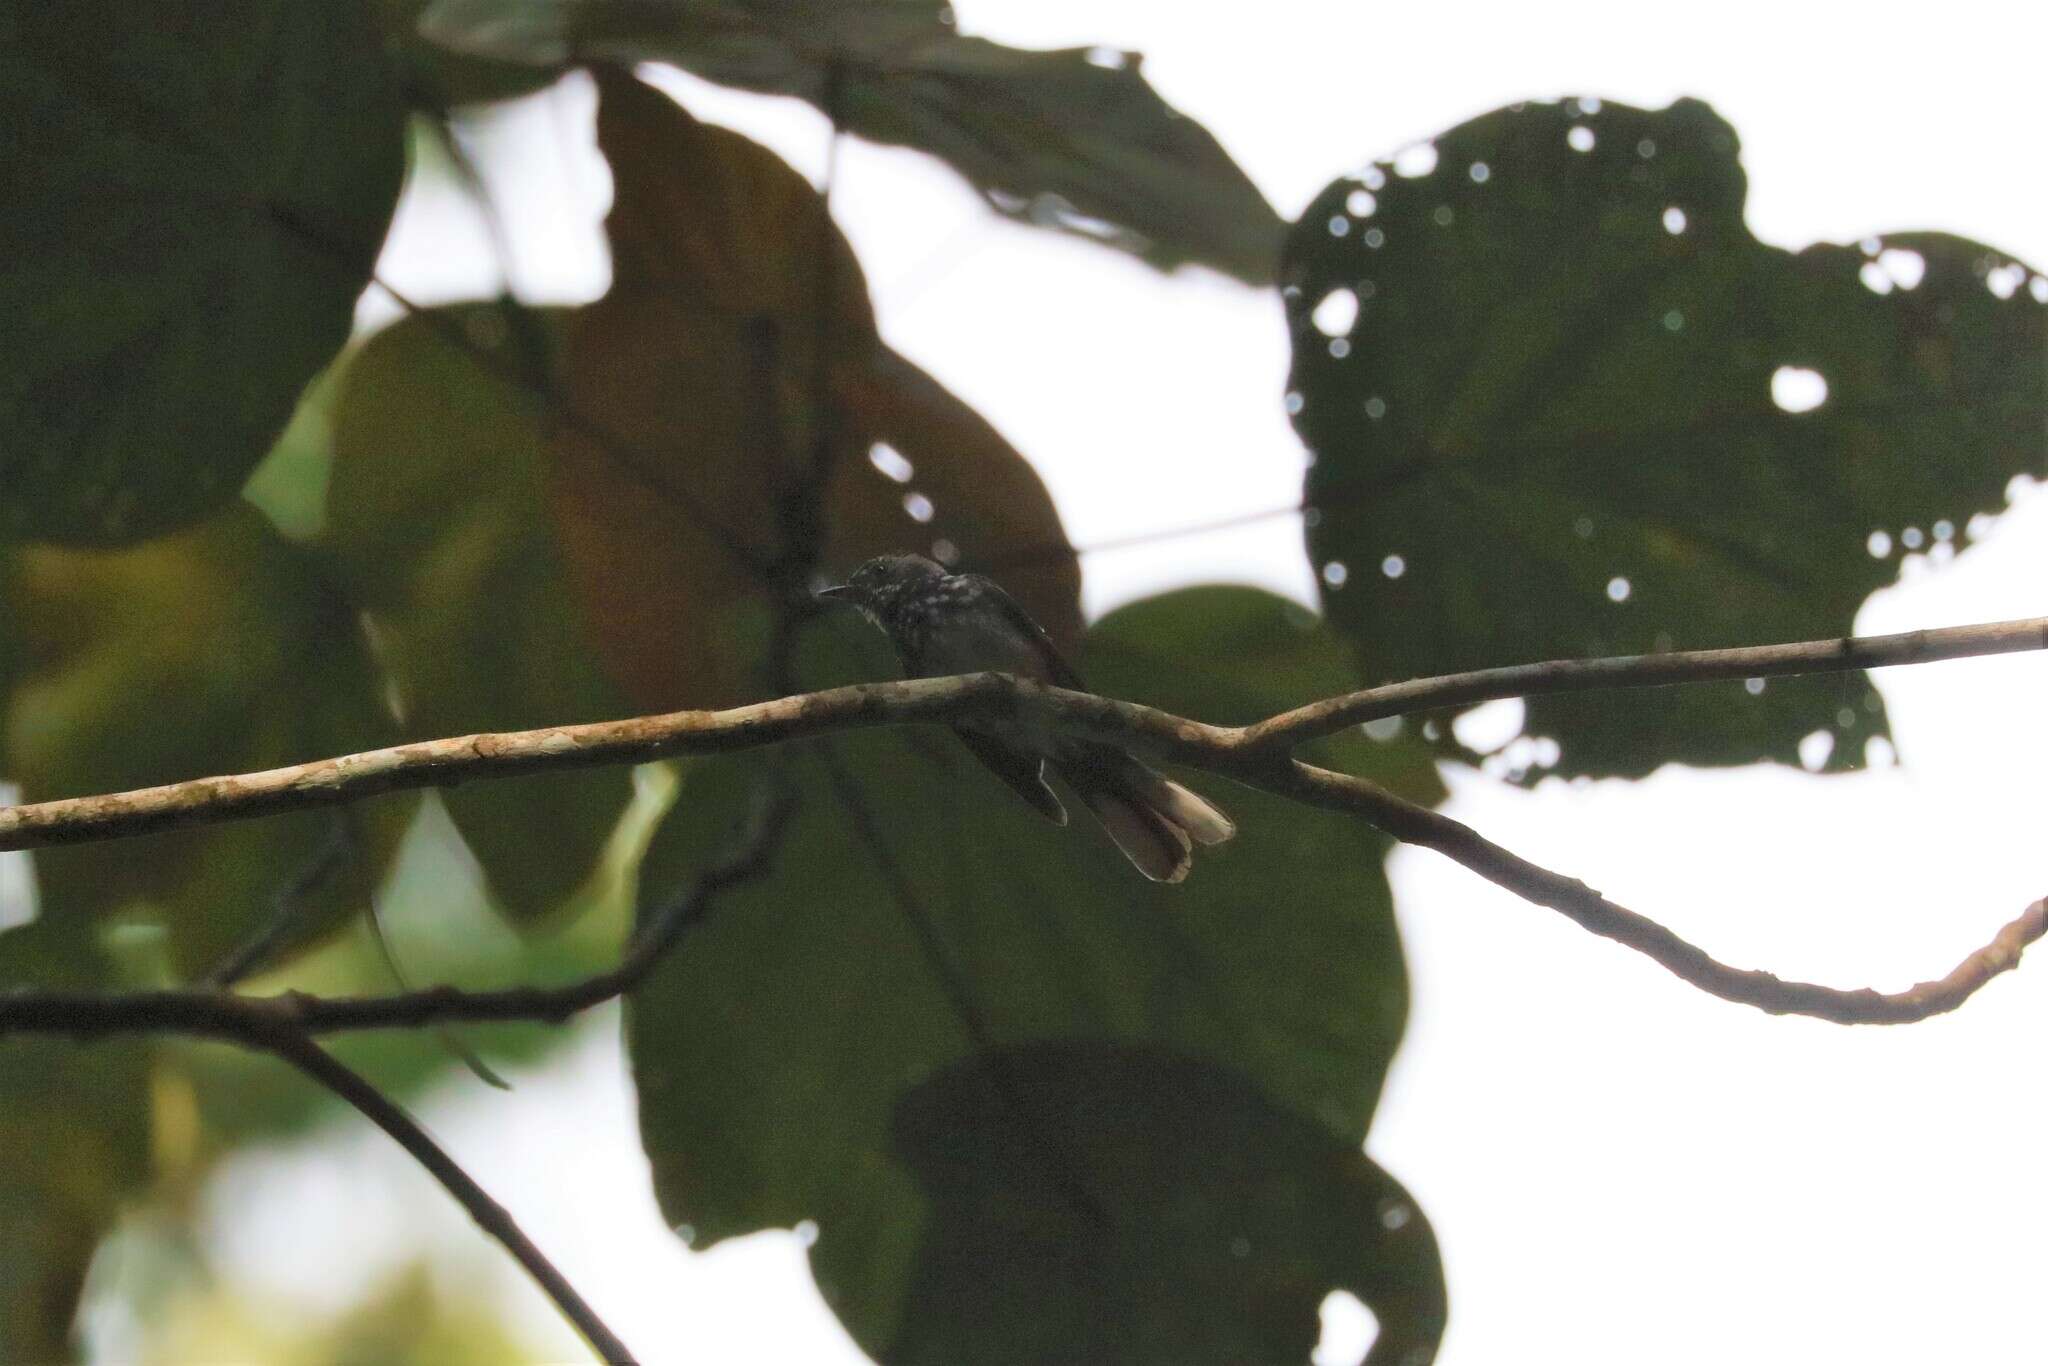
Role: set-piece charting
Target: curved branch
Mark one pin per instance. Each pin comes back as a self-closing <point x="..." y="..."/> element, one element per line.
<point x="1254" y="755"/>
<point x="492" y="1217"/>
<point x="1327" y="717"/>
<point x="1589" y="910"/>
<point x="982" y="697"/>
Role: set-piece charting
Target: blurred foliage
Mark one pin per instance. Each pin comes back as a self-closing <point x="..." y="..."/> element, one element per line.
<point x="1554" y="410"/>
<point x="194" y="202"/>
<point x="1075" y="140"/>
<point x="408" y="1319"/>
<point x="772" y="1051"/>
<point x="74" y="1132"/>
<point x="1038" y="1108"/>
<point x="221" y="648"/>
<point x="474" y="626"/>
<point x="736" y="421"/>
<point x="434" y="78"/>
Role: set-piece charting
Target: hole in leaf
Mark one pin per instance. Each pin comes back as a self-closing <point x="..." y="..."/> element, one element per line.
<point x="1349" y="1331"/>
<point x="1416" y="160"/>
<point x="1393" y="566"/>
<point x="1580" y="138"/>
<point x="890" y="461"/>
<point x="1490" y="725"/>
<point x="918" y="506"/>
<point x="1798" y="390"/>
<point x="1674" y="220"/>
<point x="1814" y="750"/>
<point x="1906" y="268"/>
<point x="1336" y="313"/>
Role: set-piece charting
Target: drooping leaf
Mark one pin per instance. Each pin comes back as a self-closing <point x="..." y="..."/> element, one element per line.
<point x="773" y="1048"/>
<point x="435" y="512"/>
<point x="193" y="204"/>
<point x="1560" y="401"/>
<point x="74" y="1125"/>
<point x="1075" y="139"/>
<point x="697" y="412"/>
<point x="218" y="649"/>
<point x="1232" y="1219"/>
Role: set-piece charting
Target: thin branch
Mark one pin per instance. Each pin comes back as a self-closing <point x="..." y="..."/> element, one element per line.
<point x="1254" y="755"/>
<point x="1327" y="717"/>
<point x="1585" y="907"/>
<point x="492" y="1217"/>
<point x="995" y="698"/>
<point x="245" y="1019"/>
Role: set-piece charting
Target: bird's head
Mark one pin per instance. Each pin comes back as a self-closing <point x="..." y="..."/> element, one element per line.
<point x="883" y="581"/>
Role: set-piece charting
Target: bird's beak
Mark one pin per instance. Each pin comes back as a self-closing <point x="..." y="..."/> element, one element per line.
<point x="837" y="593"/>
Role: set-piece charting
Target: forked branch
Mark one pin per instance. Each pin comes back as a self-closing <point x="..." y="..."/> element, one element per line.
<point x="1257" y="755"/>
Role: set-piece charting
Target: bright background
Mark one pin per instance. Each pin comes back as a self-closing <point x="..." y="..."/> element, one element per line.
<point x="1620" y="1169"/>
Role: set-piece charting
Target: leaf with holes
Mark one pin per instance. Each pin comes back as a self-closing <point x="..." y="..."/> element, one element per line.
<point x="1075" y="139"/>
<point x="716" y="423"/>
<point x="218" y="649"/>
<point x="918" y="915"/>
<point x="437" y="516"/>
<point x="193" y="204"/>
<point x="1562" y="403"/>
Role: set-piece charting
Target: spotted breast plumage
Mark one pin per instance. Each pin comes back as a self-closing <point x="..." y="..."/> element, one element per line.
<point x="943" y="623"/>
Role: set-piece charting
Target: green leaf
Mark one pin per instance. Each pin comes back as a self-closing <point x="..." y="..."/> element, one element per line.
<point x="435" y="79"/>
<point x="435" y="515"/>
<point x="1233" y="1219"/>
<point x="1075" y="139"/>
<point x="74" y="1125"/>
<point x="194" y="201"/>
<point x="218" y="649"/>
<point x="773" y="1048"/>
<point x="1551" y="429"/>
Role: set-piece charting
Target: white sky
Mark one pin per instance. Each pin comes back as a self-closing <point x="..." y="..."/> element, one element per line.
<point x="1620" y="1169"/>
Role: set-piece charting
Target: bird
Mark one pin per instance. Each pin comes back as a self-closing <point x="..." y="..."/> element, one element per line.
<point x="943" y="623"/>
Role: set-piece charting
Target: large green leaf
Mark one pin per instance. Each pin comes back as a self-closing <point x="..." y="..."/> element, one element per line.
<point x="1550" y="428"/>
<point x="195" y="196"/>
<point x="218" y="649"/>
<point x="74" y="1128"/>
<point x="1074" y="139"/>
<point x="1232" y="1219"/>
<point x="773" y="1048"/>
<point x="435" y="513"/>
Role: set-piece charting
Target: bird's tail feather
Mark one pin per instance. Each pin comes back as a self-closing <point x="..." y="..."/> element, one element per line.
<point x="1155" y="821"/>
<point x="1158" y="847"/>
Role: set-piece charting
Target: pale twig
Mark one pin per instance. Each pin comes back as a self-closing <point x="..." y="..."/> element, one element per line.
<point x="1255" y="755"/>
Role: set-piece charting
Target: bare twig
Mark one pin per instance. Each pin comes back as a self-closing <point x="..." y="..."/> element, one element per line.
<point x="493" y="1218"/>
<point x="1254" y="755"/>
<point x="1644" y="671"/>
<point x="1585" y="907"/>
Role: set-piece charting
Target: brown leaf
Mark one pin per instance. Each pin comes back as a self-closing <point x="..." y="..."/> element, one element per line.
<point x="697" y="477"/>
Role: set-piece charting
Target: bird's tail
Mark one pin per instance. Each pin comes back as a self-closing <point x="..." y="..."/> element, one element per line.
<point x="1154" y="820"/>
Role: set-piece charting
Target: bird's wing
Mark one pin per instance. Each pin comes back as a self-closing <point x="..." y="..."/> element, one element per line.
<point x="1057" y="670"/>
<point x="1023" y="772"/>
